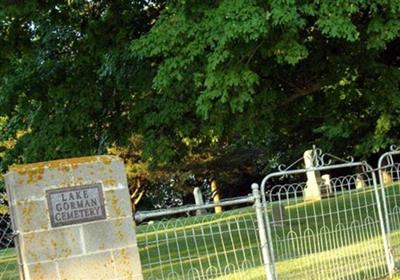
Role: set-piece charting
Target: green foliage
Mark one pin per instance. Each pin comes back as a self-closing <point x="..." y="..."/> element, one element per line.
<point x="196" y="78"/>
<point x="65" y="68"/>
<point x="281" y="74"/>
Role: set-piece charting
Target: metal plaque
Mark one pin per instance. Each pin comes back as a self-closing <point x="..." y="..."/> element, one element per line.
<point x="75" y="205"/>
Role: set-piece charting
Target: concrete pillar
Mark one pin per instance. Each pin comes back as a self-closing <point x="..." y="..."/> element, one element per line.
<point x="74" y="219"/>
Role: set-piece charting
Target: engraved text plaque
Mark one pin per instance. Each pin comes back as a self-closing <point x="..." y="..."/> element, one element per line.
<point x="75" y="205"/>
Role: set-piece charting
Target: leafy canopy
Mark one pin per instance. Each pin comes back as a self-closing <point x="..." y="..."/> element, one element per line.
<point x="68" y="82"/>
<point x="277" y="74"/>
<point x="196" y="78"/>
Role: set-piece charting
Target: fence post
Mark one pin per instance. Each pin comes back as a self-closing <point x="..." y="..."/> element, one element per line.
<point x="383" y="220"/>
<point x="265" y="247"/>
<point x="387" y="230"/>
<point x="198" y="199"/>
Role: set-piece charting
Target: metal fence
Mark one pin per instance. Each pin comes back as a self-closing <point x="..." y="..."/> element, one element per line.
<point x="352" y="232"/>
<point x="389" y="176"/>
<point x="210" y="246"/>
<point x="336" y="233"/>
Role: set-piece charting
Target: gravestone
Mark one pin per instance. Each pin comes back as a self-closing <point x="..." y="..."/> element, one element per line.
<point x="360" y="183"/>
<point x="278" y="215"/>
<point x="387" y="178"/>
<point x="74" y="219"/>
<point x="326" y="186"/>
<point x="312" y="190"/>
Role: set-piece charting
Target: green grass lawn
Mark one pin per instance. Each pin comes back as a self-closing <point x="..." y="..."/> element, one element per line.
<point x="336" y="238"/>
<point x="8" y="264"/>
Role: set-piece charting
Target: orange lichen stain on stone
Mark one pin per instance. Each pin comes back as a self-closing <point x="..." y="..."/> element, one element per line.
<point x="124" y="255"/>
<point x="27" y="210"/>
<point x="118" y="222"/>
<point x="66" y="183"/>
<point x="33" y="170"/>
<point x="111" y="262"/>
<point x="28" y="238"/>
<point x="120" y="235"/>
<point x="64" y="168"/>
<point x="32" y="175"/>
<point x="66" y="252"/>
<point x="20" y="181"/>
<point x="75" y="166"/>
<point x="124" y="263"/>
<point x="110" y="182"/>
<point x="107" y="159"/>
<point x="115" y="205"/>
<point x="37" y="272"/>
<point x="129" y="274"/>
<point x="54" y="244"/>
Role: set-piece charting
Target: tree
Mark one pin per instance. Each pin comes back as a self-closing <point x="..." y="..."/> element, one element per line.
<point x="211" y="88"/>
<point x="68" y="81"/>
<point x="282" y="75"/>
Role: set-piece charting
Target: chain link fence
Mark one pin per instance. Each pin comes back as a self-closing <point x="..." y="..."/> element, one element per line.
<point x="8" y="258"/>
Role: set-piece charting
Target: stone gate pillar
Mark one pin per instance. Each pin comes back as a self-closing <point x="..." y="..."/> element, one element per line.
<point x="74" y="219"/>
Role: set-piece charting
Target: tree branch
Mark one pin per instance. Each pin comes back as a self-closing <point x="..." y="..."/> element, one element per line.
<point x="303" y="92"/>
<point x="138" y="198"/>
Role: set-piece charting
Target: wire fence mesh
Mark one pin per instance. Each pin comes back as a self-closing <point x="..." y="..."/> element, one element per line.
<point x="338" y="237"/>
<point x="212" y="246"/>
<point x="8" y="259"/>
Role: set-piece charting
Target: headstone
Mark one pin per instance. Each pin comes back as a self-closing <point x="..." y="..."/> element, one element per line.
<point x="74" y="219"/>
<point x="387" y="178"/>
<point x="278" y="215"/>
<point x="326" y="186"/>
<point x="312" y="190"/>
<point x="198" y="198"/>
<point x="360" y="183"/>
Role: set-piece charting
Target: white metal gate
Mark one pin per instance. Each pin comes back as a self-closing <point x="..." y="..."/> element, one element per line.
<point x="389" y="177"/>
<point x="339" y="236"/>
